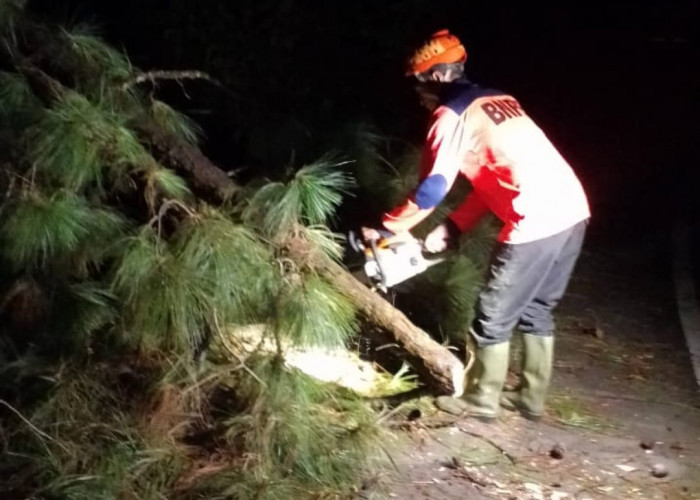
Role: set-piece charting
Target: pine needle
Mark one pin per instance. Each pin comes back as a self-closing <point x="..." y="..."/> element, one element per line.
<point x="236" y="268"/>
<point x="318" y="190"/>
<point x="312" y="313"/>
<point x="309" y="198"/>
<point x="462" y="290"/>
<point x="164" y="183"/>
<point x="16" y="97"/>
<point x="162" y="298"/>
<point x="322" y="239"/>
<point x="90" y="448"/>
<point x="305" y="432"/>
<point x="90" y="54"/>
<point x="212" y="271"/>
<point x="175" y="122"/>
<point x="38" y="432"/>
<point x="40" y="232"/>
<point x="89" y="308"/>
<point x="76" y="139"/>
<point x="383" y="171"/>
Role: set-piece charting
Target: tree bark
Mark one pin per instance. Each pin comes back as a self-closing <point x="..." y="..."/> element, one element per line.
<point x="206" y="179"/>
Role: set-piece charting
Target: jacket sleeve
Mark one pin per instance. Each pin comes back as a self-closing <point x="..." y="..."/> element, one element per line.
<point x="470" y="212"/>
<point x="440" y="164"/>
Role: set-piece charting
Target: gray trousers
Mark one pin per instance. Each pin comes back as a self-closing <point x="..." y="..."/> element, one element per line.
<point x="525" y="283"/>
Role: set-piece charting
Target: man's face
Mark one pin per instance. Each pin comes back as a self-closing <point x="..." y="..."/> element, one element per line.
<point x="428" y="95"/>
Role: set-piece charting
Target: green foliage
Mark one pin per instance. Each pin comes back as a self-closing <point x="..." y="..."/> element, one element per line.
<point x="163" y="182"/>
<point x="175" y="122"/>
<point x="572" y="412"/>
<point x="462" y="286"/>
<point x="163" y="300"/>
<point x="235" y="266"/>
<point x="17" y="101"/>
<point x="175" y="292"/>
<point x="243" y="485"/>
<point x="309" y="198"/>
<point x="385" y="169"/>
<point x="478" y="243"/>
<point x="318" y="189"/>
<point x="312" y="313"/>
<point x="322" y="239"/>
<point x="448" y="291"/>
<point x="76" y="140"/>
<point x="86" y="308"/>
<point x="61" y="233"/>
<point x="91" y="58"/>
<point x="302" y="431"/>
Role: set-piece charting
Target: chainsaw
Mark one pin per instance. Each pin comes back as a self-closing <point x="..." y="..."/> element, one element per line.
<point x="389" y="262"/>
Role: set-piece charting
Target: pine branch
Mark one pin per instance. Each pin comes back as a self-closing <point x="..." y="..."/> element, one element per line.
<point x="178" y="76"/>
<point x="207" y="180"/>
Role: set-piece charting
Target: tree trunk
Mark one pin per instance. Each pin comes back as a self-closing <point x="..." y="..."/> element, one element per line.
<point x="206" y="179"/>
<point x="438" y="367"/>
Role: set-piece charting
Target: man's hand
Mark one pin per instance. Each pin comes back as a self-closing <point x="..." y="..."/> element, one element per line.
<point x="441" y="238"/>
<point x="386" y="237"/>
<point x="370" y="234"/>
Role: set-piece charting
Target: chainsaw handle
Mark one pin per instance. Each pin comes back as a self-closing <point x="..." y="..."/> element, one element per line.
<point x="378" y="260"/>
<point x="359" y="243"/>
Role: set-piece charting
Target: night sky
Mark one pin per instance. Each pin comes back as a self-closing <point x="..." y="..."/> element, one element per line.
<point x="613" y="84"/>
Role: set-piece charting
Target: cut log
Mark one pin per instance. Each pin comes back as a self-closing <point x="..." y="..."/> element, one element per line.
<point x="339" y="366"/>
<point x="437" y="367"/>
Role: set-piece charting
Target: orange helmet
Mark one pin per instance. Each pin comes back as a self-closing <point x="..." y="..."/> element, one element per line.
<point x="443" y="47"/>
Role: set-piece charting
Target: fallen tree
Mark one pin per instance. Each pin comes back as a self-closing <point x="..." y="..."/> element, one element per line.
<point x="437" y="367"/>
<point x="127" y="258"/>
<point x="435" y="364"/>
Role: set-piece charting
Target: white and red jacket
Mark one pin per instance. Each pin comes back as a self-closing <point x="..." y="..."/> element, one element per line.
<point x="515" y="171"/>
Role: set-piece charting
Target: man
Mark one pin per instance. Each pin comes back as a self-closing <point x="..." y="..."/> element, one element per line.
<point x="518" y="175"/>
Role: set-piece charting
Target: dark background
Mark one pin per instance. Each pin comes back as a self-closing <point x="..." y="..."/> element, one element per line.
<point x="613" y="84"/>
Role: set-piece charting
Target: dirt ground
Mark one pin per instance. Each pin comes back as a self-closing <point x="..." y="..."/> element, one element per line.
<point x="623" y="420"/>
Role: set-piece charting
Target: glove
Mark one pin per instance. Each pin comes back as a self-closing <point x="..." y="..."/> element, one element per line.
<point x="441" y="238"/>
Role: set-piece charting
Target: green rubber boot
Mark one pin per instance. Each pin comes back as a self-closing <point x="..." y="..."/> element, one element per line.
<point x="529" y="398"/>
<point x="485" y="381"/>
